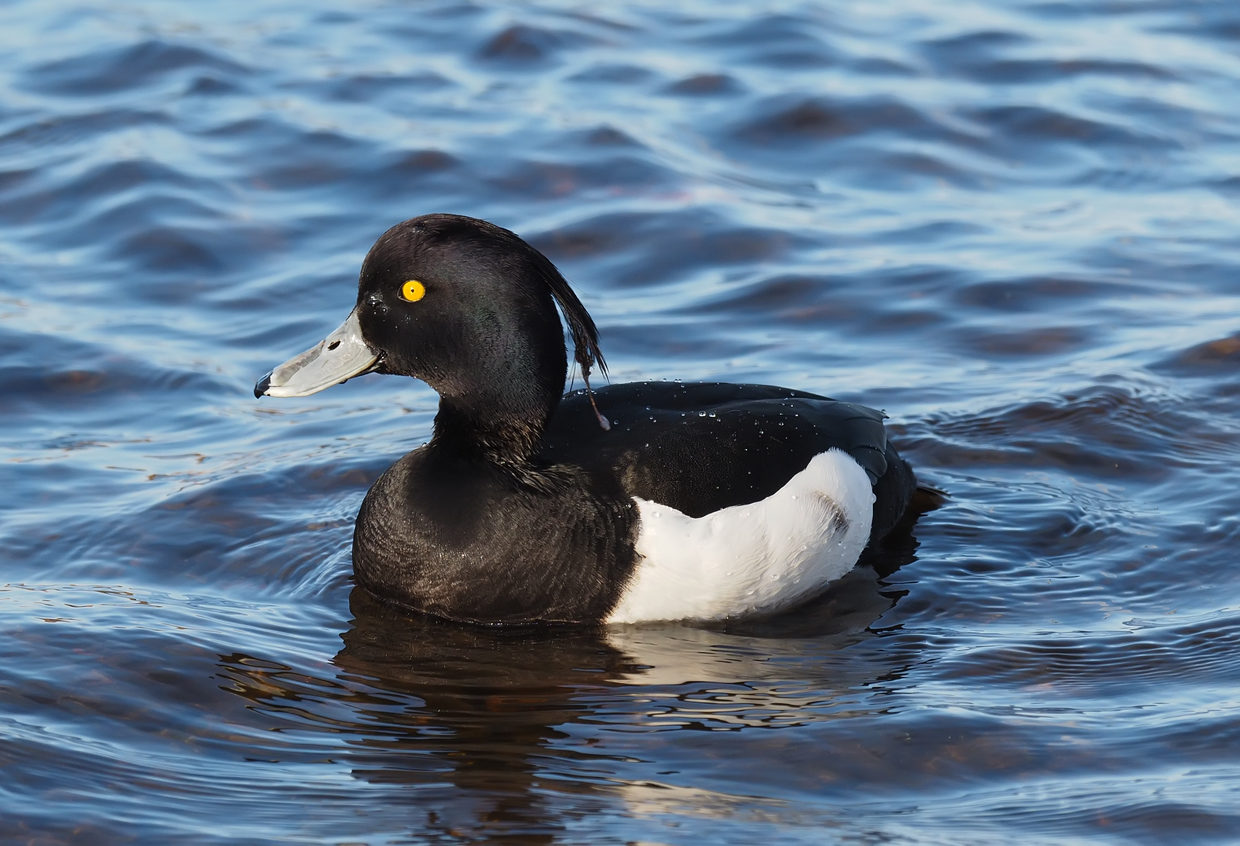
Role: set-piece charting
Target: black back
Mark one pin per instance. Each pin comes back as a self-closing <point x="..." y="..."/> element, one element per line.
<point x="700" y="447"/>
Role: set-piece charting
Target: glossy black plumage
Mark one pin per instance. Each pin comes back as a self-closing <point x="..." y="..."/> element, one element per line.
<point x="702" y="446"/>
<point x="521" y="507"/>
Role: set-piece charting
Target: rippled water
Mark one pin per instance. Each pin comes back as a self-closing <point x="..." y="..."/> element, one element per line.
<point x="1013" y="225"/>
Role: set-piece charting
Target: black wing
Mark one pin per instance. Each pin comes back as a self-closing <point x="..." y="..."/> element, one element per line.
<point x="699" y="447"/>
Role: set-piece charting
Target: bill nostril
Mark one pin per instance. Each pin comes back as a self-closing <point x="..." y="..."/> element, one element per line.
<point x="333" y="345"/>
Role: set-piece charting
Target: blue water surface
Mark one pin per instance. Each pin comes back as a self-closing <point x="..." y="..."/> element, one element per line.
<point x="1013" y="224"/>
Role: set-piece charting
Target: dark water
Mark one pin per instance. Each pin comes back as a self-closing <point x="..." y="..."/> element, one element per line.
<point x="1013" y="225"/>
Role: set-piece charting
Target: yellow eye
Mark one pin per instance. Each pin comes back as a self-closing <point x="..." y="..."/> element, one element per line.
<point x="413" y="290"/>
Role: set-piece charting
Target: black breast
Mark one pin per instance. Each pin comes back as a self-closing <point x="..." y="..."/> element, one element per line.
<point x="466" y="540"/>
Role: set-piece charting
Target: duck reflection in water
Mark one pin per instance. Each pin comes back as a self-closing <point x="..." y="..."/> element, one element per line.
<point x="480" y="731"/>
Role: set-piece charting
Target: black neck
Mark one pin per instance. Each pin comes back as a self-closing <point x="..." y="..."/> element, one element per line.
<point x="489" y="429"/>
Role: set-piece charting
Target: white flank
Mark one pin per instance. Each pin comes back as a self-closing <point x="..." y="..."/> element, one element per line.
<point x="751" y="559"/>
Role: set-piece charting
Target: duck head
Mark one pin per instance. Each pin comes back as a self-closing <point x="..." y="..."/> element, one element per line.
<point x="468" y="308"/>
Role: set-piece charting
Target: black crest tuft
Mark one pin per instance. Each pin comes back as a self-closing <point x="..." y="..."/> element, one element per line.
<point x="581" y="326"/>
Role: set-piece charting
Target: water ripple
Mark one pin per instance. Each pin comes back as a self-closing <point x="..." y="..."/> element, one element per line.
<point x="1011" y="225"/>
